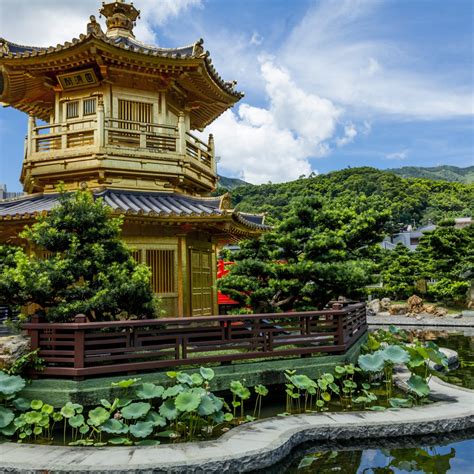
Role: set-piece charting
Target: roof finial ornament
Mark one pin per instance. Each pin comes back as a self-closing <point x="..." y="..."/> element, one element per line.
<point x="120" y="18"/>
<point x="93" y="27"/>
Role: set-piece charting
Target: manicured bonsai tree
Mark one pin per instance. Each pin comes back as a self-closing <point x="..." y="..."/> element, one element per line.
<point x="86" y="268"/>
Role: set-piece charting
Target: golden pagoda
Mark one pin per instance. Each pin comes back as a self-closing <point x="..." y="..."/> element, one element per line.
<point x="118" y="119"/>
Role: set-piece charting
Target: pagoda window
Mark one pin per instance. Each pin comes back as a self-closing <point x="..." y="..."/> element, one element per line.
<point x="162" y="265"/>
<point x="89" y="106"/>
<point x="72" y="109"/>
<point x="132" y="113"/>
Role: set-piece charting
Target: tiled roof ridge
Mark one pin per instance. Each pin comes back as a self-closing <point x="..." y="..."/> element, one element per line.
<point x="137" y="47"/>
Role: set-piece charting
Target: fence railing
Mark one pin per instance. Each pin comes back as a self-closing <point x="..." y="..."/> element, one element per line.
<point x="81" y="349"/>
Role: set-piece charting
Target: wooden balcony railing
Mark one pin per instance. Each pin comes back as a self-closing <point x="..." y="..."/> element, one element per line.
<point x="83" y="349"/>
<point x="99" y="131"/>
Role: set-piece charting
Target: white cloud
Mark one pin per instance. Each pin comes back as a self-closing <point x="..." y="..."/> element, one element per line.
<point x="49" y="22"/>
<point x="256" y="39"/>
<point x="398" y="155"/>
<point x="350" y="133"/>
<point x="336" y="49"/>
<point x="275" y="143"/>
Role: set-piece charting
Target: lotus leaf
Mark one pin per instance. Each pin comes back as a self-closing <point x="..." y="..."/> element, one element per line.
<point x="395" y="355"/>
<point x="97" y="416"/>
<point x="339" y="370"/>
<point x="123" y="402"/>
<point x="76" y="421"/>
<point x="113" y="426"/>
<point x="8" y="430"/>
<point x="172" y="374"/>
<point x="48" y="409"/>
<point x="238" y="389"/>
<point x="197" y="379"/>
<point x="184" y="378"/>
<point x="207" y="373"/>
<point x="329" y="378"/>
<point x="187" y="401"/>
<point x="167" y="434"/>
<point x="372" y="362"/>
<point x="125" y="383"/>
<point x="319" y="403"/>
<point x="172" y="391"/>
<point x="20" y="421"/>
<point x="169" y="410"/>
<point x="156" y="419"/>
<point x="326" y="396"/>
<point x="207" y="406"/>
<point x="6" y="417"/>
<point x="105" y="403"/>
<point x="84" y="429"/>
<point x="360" y="400"/>
<point x="120" y="441"/>
<point x="67" y="410"/>
<point x="349" y="368"/>
<point x="44" y="420"/>
<point x="135" y="410"/>
<point x="376" y="408"/>
<point x="334" y="388"/>
<point x="261" y="390"/>
<point x="400" y="403"/>
<point x="21" y="404"/>
<point x="141" y="429"/>
<point x="36" y="404"/>
<point x="32" y="417"/>
<point x="418" y="385"/>
<point x="302" y="382"/>
<point x="57" y="416"/>
<point x="149" y="390"/>
<point x="218" y="417"/>
<point x="228" y="417"/>
<point x="148" y="442"/>
<point x="10" y="384"/>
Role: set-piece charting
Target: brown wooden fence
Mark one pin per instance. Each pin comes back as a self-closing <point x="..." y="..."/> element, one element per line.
<point x="83" y="349"/>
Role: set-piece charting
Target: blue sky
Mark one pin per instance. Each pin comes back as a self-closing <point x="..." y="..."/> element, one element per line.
<point x="328" y="84"/>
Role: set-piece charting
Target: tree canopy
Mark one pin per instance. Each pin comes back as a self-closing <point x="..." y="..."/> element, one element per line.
<point x="79" y="265"/>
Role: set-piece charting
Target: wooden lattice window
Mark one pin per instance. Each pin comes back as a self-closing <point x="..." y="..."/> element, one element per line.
<point x="137" y="255"/>
<point x="88" y="107"/>
<point x="162" y="265"/>
<point x="132" y="111"/>
<point x="72" y="109"/>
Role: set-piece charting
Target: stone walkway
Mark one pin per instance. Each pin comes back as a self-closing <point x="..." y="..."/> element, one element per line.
<point x="445" y="321"/>
<point x="251" y="446"/>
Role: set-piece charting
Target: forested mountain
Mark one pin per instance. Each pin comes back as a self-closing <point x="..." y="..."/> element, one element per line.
<point x="445" y="173"/>
<point x="408" y="199"/>
<point x="230" y="183"/>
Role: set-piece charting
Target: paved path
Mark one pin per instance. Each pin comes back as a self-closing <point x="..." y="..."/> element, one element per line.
<point x="446" y="321"/>
<point x="251" y="446"/>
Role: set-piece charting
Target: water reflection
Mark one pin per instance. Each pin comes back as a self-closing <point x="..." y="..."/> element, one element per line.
<point x="451" y="453"/>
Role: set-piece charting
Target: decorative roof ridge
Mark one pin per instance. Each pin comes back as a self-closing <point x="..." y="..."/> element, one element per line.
<point x="4" y="41"/>
<point x="22" y="198"/>
<point x="242" y="220"/>
<point x="263" y="215"/>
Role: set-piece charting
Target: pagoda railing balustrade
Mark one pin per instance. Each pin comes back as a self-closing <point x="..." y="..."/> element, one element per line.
<point x="113" y="132"/>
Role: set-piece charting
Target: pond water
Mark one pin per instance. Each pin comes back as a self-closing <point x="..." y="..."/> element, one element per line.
<point x="449" y="453"/>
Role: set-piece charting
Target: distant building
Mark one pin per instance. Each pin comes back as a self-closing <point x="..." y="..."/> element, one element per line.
<point x="410" y="237"/>
<point x="4" y="194"/>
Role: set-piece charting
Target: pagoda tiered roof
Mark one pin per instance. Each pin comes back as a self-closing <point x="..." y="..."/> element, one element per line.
<point x="28" y="73"/>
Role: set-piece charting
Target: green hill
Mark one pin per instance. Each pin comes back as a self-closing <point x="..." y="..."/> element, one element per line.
<point x="445" y="173"/>
<point x="409" y="199"/>
<point x="230" y="183"/>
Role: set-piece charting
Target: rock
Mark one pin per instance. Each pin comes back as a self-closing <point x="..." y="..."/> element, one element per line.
<point x="419" y="317"/>
<point x="11" y="348"/>
<point x="441" y="312"/>
<point x="373" y="307"/>
<point x="385" y="304"/>
<point x="456" y="316"/>
<point x="430" y="308"/>
<point x="398" y="309"/>
<point x="415" y="304"/>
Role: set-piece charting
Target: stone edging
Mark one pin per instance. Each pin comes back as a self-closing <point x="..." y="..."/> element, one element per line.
<point x="251" y="446"/>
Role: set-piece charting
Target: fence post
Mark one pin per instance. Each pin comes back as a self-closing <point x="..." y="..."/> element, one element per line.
<point x="79" y="347"/>
<point x="340" y="325"/>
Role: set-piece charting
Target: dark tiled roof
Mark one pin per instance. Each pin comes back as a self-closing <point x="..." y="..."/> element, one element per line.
<point x="136" y="203"/>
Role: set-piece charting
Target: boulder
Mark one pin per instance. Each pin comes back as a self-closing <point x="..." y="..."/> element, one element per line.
<point x="441" y="312"/>
<point x="430" y="308"/>
<point x="396" y="309"/>
<point x="415" y="304"/>
<point x="385" y="304"/>
<point x="12" y="348"/>
<point x="373" y="307"/>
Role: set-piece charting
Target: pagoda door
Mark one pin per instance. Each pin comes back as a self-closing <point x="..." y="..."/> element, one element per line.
<point x="201" y="282"/>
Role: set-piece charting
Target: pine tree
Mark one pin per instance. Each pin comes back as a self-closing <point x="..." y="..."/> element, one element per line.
<point x="88" y="269"/>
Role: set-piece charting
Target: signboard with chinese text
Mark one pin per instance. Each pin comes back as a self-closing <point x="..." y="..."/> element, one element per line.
<point x="78" y="79"/>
